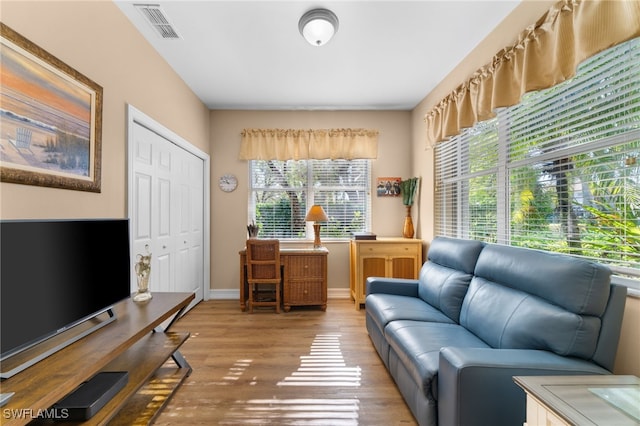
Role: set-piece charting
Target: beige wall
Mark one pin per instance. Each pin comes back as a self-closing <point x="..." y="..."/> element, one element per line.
<point x="229" y="210"/>
<point x="97" y="40"/>
<point x="628" y="360"/>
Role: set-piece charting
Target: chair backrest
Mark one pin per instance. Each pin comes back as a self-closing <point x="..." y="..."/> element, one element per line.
<point x="263" y="260"/>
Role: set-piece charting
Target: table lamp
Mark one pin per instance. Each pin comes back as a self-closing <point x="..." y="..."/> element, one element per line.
<point x="316" y="214"/>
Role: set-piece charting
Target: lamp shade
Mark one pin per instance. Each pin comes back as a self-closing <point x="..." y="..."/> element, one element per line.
<point x="316" y="214"/>
<point x="318" y="26"/>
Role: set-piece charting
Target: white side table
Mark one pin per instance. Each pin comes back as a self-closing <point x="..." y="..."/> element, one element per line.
<point x="581" y="400"/>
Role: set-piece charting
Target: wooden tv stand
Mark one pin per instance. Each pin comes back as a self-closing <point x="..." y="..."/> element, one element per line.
<point x="135" y="342"/>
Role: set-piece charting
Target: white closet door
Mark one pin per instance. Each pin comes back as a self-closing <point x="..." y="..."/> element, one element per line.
<point x="188" y="235"/>
<point x="167" y="213"/>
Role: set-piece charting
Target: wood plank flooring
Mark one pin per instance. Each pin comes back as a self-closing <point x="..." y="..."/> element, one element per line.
<point x="303" y="367"/>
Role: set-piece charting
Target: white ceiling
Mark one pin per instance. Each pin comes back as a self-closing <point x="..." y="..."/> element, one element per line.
<point x="386" y="54"/>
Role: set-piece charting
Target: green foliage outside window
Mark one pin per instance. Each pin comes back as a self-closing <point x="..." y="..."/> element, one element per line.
<point x="282" y="192"/>
<point x="561" y="170"/>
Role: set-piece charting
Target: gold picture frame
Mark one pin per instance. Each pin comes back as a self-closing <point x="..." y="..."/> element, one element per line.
<point x="51" y="119"/>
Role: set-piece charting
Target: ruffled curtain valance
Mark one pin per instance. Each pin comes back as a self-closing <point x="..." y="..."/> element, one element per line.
<point x="546" y="54"/>
<point x="292" y="144"/>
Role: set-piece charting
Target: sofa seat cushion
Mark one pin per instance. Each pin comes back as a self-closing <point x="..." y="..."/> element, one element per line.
<point x="384" y="308"/>
<point x="417" y="345"/>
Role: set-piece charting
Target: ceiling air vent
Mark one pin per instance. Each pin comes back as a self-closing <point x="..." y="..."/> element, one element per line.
<point x="158" y="20"/>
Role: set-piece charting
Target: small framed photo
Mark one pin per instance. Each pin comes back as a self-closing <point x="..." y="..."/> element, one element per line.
<point x="388" y="186"/>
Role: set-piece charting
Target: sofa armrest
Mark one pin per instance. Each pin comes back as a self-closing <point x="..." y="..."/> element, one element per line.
<point x="476" y="387"/>
<point x="398" y="286"/>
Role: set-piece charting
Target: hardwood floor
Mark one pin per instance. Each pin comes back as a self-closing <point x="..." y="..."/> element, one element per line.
<point x="303" y="367"/>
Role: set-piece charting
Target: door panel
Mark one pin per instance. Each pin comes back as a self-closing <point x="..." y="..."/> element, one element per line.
<point x="168" y="214"/>
<point x="142" y="224"/>
<point x="403" y="267"/>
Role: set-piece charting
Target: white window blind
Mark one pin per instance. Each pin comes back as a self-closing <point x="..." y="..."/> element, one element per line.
<point x="282" y="191"/>
<point x="559" y="172"/>
<point x="466" y="184"/>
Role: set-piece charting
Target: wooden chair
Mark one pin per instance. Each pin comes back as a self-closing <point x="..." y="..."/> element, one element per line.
<point x="263" y="268"/>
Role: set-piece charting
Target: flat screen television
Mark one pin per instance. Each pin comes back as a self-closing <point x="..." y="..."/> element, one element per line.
<point x="55" y="275"/>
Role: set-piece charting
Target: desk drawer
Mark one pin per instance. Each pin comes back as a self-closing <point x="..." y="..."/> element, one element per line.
<point x="388" y="249"/>
<point x="305" y="267"/>
<point x="307" y="292"/>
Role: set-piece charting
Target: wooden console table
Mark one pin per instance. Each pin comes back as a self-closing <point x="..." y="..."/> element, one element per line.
<point x="134" y="342"/>
<point x="304" y="277"/>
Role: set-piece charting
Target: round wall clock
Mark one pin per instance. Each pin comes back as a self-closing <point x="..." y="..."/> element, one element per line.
<point x="228" y="182"/>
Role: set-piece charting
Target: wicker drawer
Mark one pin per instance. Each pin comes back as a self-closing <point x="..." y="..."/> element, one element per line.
<point x="306" y="292"/>
<point x="305" y="267"/>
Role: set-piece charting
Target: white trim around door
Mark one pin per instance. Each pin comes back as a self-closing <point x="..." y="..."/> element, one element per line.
<point x="136" y="117"/>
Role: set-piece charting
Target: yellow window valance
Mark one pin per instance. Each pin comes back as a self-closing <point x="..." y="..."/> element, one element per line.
<point x="297" y="144"/>
<point x="546" y="54"/>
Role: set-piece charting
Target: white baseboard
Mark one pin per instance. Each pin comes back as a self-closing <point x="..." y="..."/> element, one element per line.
<point x="338" y="293"/>
<point x="234" y="294"/>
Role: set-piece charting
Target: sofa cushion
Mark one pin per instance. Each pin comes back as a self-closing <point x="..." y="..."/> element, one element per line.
<point x="454" y="253"/>
<point x="510" y="304"/>
<point x="511" y="319"/>
<point x="576" y="285"/>
<point x="417" y="345"/>
<point x="384" y="308"/>
<point x="445" y="276"/>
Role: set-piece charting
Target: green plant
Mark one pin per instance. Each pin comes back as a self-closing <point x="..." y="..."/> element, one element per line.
<point x="408" y="190"/>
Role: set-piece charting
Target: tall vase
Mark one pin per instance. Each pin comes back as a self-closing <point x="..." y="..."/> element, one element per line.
<point x="408" y="231"/>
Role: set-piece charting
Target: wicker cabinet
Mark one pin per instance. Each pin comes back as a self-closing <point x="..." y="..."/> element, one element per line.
<point x="305" y="278"/>
<point x="384" y="257"/>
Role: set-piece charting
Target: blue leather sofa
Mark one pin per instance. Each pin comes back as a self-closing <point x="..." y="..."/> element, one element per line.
<point x="480" y="314"/>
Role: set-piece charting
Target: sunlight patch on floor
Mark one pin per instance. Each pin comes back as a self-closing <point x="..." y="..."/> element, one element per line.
<point x="303" y="411"/>
<point x="324" y="366"/>
<point x="235" y="371"/>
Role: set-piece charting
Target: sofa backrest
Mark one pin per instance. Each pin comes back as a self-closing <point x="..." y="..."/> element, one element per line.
<point x="521" y="298"/>
<point x="446" y="275"/>
<point x="606" y="350"/>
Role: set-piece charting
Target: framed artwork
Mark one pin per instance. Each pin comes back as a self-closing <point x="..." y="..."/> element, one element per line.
<point x="51" y="119"/>
<point x="388" y="186"/>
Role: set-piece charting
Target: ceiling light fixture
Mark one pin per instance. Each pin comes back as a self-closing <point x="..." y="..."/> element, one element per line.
<point x="317" y="26"/>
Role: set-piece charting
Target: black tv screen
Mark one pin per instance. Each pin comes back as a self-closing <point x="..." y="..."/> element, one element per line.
<point x="58" y="273"/>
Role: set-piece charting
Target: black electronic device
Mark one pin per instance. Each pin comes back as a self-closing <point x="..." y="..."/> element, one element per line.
<point x="88" y="398"/>
<point x="363" y="235"/>
<point x="55" y="275"/>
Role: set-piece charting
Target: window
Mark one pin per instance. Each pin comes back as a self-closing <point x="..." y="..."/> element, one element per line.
<point x="559" y="172"/>
<point x="281" y="192"/>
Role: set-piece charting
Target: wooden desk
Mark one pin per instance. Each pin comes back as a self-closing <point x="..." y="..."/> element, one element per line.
<point x="304" y="277"/>
<point x="575" y="400"/>
<point x="134" y="342"/>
